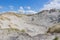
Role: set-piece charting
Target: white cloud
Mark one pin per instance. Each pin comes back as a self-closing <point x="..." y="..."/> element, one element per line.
<point x="1" y="7"/>
<point x="21" y="8"/>
<point x="21" y="11"/>
<point x="52" y="4"/>
<point x="29" y="7"/>
<point x="28" y="11"/>
<point x="11" y="7"/>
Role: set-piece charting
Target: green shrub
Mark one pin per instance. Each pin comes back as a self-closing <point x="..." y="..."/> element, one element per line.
<point x="56" y="38"/>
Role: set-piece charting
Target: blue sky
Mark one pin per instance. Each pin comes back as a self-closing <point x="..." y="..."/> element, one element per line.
<point x="7" y="5"/>
<point x="29" y="6"/>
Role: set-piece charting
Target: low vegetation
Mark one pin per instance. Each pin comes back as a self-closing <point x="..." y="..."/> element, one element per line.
<point x="22" y="30"/>
<point x="54" y="29"/>
<point x="56" y="38"/>
<point x="13" y="29"/>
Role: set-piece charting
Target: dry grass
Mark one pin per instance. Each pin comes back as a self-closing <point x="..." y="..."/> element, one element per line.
<point x="13" y="30"/>
<point x="22" y="30"/>
<point x="4" y="18"/>
<point x="54" y="29"/>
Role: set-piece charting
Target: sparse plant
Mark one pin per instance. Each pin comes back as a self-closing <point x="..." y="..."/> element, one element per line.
<point x="22" y="30"/>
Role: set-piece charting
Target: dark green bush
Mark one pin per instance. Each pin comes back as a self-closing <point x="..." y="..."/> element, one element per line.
<point x="56" y="38"/>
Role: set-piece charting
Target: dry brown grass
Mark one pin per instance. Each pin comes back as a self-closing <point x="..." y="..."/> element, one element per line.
<point x="13" y="29"/>
<point x="54" y="29"/>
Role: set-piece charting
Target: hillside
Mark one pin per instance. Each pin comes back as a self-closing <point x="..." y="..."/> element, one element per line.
<point x="14" y="26"/>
